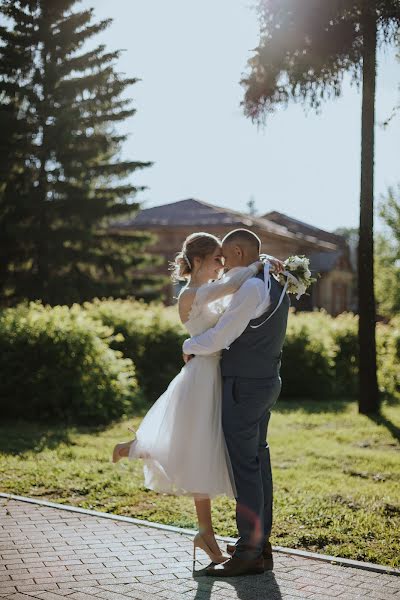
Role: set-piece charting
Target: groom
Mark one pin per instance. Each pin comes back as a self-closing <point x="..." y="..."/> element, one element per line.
<point x="250" y="365"/>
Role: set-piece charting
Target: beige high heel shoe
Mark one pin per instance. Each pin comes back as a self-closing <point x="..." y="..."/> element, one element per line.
<point x="200" y="542"/>
<point x="116" y="455"/>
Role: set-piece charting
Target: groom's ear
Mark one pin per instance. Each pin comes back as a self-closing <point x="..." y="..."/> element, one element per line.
<point x="238" y="251"/>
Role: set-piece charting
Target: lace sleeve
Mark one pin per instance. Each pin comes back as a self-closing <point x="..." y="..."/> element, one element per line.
<point x="227" y="285"/>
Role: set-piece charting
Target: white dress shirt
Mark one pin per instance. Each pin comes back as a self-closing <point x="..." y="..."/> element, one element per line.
<point x="249" y="302"/>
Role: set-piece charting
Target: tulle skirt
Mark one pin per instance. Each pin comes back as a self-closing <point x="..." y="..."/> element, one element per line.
<point x="181" y="440"/>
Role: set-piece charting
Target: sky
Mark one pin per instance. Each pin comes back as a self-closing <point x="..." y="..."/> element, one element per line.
<point x="190" y="57"/>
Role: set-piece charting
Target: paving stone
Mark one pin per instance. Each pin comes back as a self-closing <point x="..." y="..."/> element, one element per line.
<point x="85" y="595"/>
<point x="47" y="595"/>
<point x="292" y="597"/>
<point x="19" y="596"/>
<point x="140" y="595"/>
<point x="47" y="553"/>
<point x="394" y="584"/>
<point x="323" y="591"/>
<point x="383" y="594"/>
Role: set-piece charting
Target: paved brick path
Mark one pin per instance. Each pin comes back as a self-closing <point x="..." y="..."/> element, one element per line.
<point x="48" y="553"/>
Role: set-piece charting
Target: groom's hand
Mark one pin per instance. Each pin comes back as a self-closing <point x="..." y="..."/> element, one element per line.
<point x="187" y="357"/>
<point x="277" y="265"/>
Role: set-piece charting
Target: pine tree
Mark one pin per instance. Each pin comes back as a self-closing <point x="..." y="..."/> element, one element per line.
<point x="305" y="48"/>
<point x="251" y="207"/>
<point x="62" y="180"/>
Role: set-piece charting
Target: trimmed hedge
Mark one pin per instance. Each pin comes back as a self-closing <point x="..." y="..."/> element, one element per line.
<point x="320" y="357"/>
<point x="57" y="363"/>
<point x="81" y="363"/>
<point x="308" y="362"/>
<point x="388" y="350"/>
<point x="149" y="334"/>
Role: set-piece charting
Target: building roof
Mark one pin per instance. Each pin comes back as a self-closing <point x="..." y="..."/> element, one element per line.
<point x="196" y="212"/>
<point x="191" y="212"/>
<point x="296" y="226"/>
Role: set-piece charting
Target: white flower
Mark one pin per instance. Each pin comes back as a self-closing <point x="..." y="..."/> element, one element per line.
<point x="294" y="262"/>
<point x="297" y="275"/>
<point x="301" y="289"/>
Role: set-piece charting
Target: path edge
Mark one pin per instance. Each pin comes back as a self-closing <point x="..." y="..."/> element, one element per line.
<point x="335" y="560"/>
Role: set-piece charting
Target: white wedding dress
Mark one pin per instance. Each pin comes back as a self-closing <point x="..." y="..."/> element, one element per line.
<point x="181" y="439"/>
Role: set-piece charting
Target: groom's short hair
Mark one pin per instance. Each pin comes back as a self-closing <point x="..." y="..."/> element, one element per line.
<point x="240" y="236"/>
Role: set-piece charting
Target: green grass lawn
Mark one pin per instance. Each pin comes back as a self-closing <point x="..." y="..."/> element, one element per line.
<point x="336" y="473"/>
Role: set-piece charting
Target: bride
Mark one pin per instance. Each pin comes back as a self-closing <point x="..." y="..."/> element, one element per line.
<point x="180" y="439"/>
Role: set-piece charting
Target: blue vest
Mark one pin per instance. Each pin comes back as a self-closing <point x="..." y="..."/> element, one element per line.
<point x="257" y="352"/>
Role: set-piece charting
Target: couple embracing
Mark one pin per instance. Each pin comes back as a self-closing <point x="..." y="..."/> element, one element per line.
<point x="206" y="435"/>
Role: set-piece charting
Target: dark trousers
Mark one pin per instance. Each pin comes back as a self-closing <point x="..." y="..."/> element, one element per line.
<point x="246" y="406"/>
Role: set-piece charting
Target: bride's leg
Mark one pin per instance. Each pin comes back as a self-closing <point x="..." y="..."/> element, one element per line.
<point x="203" y="510"/>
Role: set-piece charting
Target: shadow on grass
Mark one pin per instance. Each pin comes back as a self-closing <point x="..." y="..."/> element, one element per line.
<point x="390" y="426"/>
<point x="17" y="436"/>
<point x="325" y="405"/>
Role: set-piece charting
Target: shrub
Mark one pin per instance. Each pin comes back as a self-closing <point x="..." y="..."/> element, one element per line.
<point x="320" y="357"/>
<point x="308" y="364"/>
<point x="57" y="363"/>
<point x="78" y="363"/>
<point x="344" y="330"/>
<point x="388" y="351"/>
<point x="150" y="335"/>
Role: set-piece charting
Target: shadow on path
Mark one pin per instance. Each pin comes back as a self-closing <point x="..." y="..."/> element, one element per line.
<point x="249" y="587"/>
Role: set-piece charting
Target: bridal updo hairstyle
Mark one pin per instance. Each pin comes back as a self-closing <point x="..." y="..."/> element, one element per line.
<point x="198" y="245"/>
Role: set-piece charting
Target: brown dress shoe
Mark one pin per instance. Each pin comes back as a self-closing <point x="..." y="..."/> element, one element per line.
<point x="237" y="566"/>
<point x="267" y="555"/>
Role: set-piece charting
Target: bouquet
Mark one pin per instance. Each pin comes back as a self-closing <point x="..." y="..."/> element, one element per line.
<point x="297" y="275"/>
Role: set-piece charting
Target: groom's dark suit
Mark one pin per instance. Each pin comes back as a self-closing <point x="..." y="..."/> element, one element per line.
<point x="251" y="386"/>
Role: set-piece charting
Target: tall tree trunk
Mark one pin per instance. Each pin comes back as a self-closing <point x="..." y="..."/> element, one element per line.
<point x="42" y="285"/>
<point x="369" y="394"/>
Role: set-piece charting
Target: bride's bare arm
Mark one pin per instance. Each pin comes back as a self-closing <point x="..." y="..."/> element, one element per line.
<point x="227" y="285"/>
<point x="232" y="322"/>
<point x="215" y="289"/>
<point x="231" y="283"/>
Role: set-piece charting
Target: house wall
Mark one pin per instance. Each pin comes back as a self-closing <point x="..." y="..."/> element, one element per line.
<point x="170" y="240"/>
<point x="332" y="291"/>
